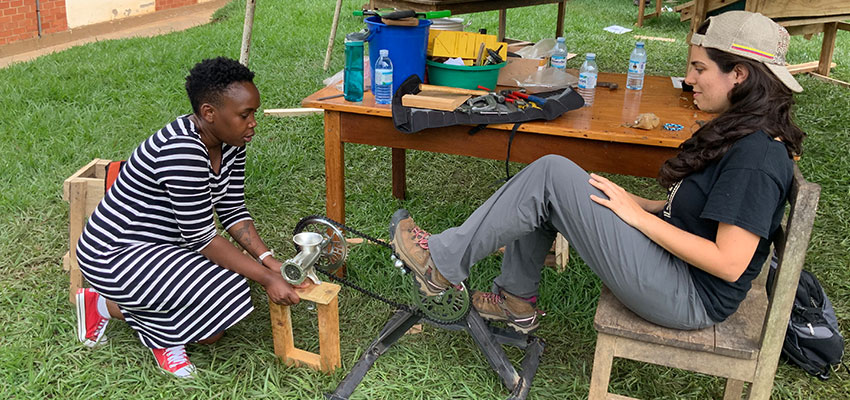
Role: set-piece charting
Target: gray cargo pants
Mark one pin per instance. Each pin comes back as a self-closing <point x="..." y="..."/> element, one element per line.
<point x="552" y="195"/>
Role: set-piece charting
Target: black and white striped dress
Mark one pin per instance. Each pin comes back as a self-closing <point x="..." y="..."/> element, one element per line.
<point x="140" y="248"/>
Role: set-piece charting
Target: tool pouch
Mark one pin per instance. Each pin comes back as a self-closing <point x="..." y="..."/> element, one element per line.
<point x="411" y="120"/>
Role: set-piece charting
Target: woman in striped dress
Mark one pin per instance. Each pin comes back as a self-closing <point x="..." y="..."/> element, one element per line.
<point x="151" y="250"/>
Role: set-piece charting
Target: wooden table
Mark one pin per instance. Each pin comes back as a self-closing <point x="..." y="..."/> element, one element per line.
<point x="594" y="137"/>
<point x="472" y="6"/>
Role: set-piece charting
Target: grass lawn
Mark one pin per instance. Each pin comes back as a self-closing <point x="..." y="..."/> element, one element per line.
<point x="101" y="100"/>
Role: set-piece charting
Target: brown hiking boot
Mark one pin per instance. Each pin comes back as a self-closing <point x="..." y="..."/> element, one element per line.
<point x="410" y="243"/>
<point x="518" y="313"/>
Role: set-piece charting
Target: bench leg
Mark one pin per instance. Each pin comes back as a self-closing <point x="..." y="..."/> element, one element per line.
<point x="603" y="359"/>
<point x="734" y="389"/>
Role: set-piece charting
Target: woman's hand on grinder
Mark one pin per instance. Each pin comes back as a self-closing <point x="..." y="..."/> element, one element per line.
<point x="280" y="291"/>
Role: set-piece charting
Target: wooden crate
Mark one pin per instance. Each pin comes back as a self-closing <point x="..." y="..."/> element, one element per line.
<point x="83" y="191"/>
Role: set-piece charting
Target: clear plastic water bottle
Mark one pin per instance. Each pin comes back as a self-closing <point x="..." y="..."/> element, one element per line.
<point x="353" y="72"/>
<point x="587" y="79"/>
<point x="384" y="78"/>
<point x="558" y="59"/>
<point x="637" y="65"/>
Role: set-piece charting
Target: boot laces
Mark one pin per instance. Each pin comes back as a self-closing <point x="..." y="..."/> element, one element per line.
<point x="493" y="298"/>
<point x="176" y="356"/>
<point x="420" y="236"/>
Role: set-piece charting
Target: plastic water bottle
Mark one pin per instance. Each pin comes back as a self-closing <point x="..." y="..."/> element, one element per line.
<point x="637" y="65"/>
<point x="558" y="59"/>
<point x="587" y="79"/>
<point x="353" y="73"/>
<point x="384" y="78"/>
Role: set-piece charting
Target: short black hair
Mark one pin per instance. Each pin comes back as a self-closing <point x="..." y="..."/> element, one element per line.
<point x="209" y="78"/>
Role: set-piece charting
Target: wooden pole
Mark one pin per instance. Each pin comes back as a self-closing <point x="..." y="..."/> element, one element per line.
<point x="333" y="34"/>
<point x="246" y="31"/>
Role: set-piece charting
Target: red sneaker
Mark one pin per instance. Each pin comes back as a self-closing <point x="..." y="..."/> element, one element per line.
<point x="173" y="360"/>
<point x="90" y="324"/>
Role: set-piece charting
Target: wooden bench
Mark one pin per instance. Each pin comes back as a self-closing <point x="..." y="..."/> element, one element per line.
<point x="799" y="17"/>
<point x="744" y="348"/>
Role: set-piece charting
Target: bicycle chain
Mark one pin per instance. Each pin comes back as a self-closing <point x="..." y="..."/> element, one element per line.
<point x="370" y="293"/>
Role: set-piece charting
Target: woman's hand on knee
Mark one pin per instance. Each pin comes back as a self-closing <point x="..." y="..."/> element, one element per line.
<point x="619" y="200"/>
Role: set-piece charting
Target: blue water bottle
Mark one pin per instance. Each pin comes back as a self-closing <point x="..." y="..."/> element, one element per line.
<point x="353" y="72"/>
<point x="637" y="65"/>
<point x="384" y="78"/>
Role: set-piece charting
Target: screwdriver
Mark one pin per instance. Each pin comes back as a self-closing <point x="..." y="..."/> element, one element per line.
<point x="538" y="100"/>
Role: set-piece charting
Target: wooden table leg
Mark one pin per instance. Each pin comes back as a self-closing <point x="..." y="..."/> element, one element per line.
<point x="399" y="173"/>
<point x="334" y="168"/>
<point x="559" y="25"/>
<point x="827" y="48"/>
<point x="503" y="19"/>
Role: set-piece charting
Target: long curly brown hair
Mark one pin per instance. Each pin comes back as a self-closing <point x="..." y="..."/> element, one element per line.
<point x="760" y="102"/>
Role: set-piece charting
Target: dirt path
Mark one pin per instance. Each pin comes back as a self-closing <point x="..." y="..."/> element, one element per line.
<point x="147" y="25"/>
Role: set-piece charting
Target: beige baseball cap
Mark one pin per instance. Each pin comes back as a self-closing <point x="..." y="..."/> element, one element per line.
<point x="753" y="36"/>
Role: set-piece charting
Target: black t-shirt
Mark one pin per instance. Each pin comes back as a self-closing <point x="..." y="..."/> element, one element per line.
<point x="747" y="187"/>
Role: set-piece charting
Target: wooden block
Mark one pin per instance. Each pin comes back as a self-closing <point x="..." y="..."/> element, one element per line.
<point x="612" y="396"/>
<point x="329" y="358"/>
<point x="319" y="294"/>
<point x="448" y="89"/>
<point x="94" y="170"/>
<point x="805" y="67"/>
<point x="329" y="352"/>
<point x="830" y="80"/>
<point x="299" y="358"/>
<point x="799" y="8"/>
<point x="77" y="220"/>
<point x="83" y="191"/>
<point x="292" y="112"/>
<point x="411" y="21"/>
<point x="661" y="39"/>
<point x="281" y="329"/>
<point x="562" y="253"/>
<point x="435" y="101"/>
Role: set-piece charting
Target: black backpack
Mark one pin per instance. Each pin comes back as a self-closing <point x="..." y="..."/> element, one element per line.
<point x="812" y="340"/>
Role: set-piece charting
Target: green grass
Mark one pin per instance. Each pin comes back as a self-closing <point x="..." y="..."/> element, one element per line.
<point x="102" y="99"/>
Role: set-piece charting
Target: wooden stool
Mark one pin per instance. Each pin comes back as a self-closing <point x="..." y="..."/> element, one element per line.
<point x="328" y="359"/>
<point x="83" y="192"/>
<point x="642" y="7"/>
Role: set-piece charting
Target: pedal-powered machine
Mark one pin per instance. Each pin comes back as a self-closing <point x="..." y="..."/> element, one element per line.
<point x="322" y="248"/>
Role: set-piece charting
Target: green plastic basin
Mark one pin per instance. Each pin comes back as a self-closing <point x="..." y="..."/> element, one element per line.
<point x="462" y="76"/>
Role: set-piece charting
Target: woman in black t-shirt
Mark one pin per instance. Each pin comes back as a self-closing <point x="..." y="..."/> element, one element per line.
<point x="686" y="262"/>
